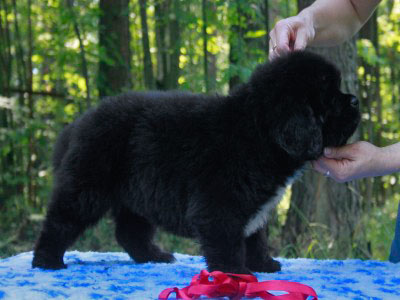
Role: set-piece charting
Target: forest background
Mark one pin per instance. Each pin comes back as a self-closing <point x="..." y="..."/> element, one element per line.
<point x="60" y="57"/>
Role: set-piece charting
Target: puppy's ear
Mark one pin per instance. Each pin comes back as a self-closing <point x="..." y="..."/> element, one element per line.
<point x="298" y="133"/>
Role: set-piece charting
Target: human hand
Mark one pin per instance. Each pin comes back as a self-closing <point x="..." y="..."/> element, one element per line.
<point x="290" y="34"/>
<point x="352" y="161"/>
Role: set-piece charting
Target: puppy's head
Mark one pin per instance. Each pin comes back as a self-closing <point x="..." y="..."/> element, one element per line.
<point x="304" y="105"/>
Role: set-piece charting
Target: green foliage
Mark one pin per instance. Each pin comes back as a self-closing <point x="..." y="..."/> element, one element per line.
<point x="381" y="224"/>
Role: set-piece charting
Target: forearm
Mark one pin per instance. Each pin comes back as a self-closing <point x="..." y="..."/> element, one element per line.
<point x="388" y="159"/>
<point x="336" y="21"/>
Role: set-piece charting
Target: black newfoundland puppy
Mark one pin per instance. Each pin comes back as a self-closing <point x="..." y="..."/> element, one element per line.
<point x="200" y="166"/>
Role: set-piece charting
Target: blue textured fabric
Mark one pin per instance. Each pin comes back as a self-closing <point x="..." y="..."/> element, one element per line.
<point x="92" y="275"/>
<point x="394" y="256"/>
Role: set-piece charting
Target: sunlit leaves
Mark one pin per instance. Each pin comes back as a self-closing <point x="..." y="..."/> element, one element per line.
<point x="255" y="34"/>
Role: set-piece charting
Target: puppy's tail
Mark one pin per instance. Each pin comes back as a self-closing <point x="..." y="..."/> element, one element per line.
<point x="61" y="146"/>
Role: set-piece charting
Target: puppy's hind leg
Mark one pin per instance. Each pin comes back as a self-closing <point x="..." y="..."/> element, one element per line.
<point x="135" y="234"/>
<point x="69" y="214"/>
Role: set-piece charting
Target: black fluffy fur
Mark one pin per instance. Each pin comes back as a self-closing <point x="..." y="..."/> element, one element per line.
<point x="195" y="165"/>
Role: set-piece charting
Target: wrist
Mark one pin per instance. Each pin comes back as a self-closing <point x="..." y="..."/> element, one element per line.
<point x="307" y="17"/>
<point x="330" y="21"/>
<point x="388" y="159"/>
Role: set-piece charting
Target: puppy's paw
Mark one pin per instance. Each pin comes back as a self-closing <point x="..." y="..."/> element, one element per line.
<point x="155" y="257"/>
<point x="267" y="266"/>
<point x="46" y="262"/>
<point x="163" y="257"/>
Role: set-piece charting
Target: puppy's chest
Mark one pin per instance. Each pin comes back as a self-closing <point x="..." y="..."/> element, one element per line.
<point x="260" y="218"/>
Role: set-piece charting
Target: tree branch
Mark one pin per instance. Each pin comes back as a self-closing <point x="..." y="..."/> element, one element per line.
<point x="39" y="93"/>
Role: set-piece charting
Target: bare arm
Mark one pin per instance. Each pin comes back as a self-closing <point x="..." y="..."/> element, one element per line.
<point x="324" y="23"/>
<point x="337" y="21"/>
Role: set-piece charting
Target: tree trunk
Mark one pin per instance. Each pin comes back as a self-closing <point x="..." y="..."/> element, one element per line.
<point x="212" y="72"/>
<point x="316" y="200"/>
<point x="266" y="22"/>
<point x="20" y="56"/>
<point x="236" y="43"/>
<point x="370" y="92"/>
<point x="5" y="49"/>
<point x="212" y="18"/>
<point x="148" y="65"/>
<point x="175" y="44"/>
<point x="7" y="162"/>
<point x="31" y="145"/>
<point x="161" y="11"/>
<point x="115" y="54"/>
<point x="205" y="40"/>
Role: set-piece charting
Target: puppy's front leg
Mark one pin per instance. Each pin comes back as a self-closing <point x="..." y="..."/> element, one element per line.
<point x="224" y="247"/>
<point x="257" y="256"/>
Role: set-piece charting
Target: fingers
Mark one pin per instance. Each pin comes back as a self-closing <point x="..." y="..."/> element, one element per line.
<point x="338" y="170"/>
<point x="323" y="165"/>
<point x="289" y="34"/>
<point x="317" y="166"/>
<point x="279" y="39"/>
<point x="272" y="53"/>
<point x="282" y="34"/>
<point x="301" y="39"/>
<point x="347" y="151"/>
<point x="352" y="161"/>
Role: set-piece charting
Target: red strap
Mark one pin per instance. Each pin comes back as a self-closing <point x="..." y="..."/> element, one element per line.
<point x="236" y="286"/>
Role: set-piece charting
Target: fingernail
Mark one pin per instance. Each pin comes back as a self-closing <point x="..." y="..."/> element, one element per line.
<point x="327" y="151"/>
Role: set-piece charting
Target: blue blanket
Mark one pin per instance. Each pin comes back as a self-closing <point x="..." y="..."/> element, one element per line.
<point x="92" y="275"/>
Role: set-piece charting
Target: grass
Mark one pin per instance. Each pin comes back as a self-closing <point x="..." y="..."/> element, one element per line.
<point x="17" y="239"/>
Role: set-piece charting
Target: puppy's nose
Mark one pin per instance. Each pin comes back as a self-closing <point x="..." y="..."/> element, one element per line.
<point x="354" y="101"/>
